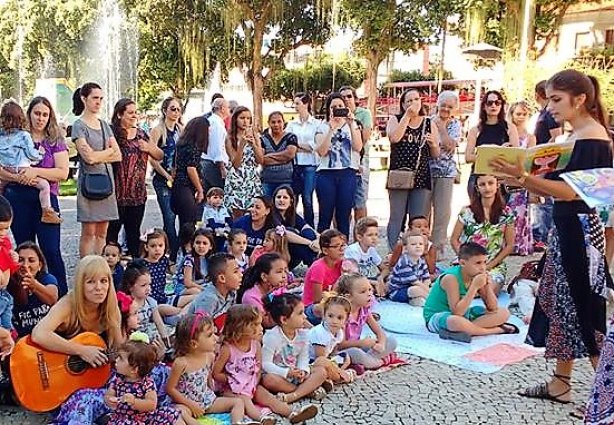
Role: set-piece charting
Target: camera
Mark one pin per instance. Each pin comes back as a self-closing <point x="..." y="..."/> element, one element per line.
<point x="341" y="112"/>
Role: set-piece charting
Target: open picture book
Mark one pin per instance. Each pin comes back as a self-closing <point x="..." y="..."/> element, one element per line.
<point x="595" y="186"/>
<point x="537" y="160"/>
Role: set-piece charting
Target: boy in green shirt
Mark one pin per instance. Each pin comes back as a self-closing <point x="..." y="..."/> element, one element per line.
<point x="448" y="309"/>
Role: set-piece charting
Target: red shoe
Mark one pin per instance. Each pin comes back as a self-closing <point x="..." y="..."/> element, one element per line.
<point x="393" y="360"/>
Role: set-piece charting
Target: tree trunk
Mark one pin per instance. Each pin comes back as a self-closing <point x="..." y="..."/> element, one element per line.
<point x="257" y="78"/>
<point x="373" y="62"/>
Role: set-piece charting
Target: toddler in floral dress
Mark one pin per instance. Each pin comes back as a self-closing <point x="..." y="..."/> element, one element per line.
<point x="131" y="392"/>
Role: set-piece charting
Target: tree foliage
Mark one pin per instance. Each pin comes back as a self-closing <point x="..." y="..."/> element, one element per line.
<point x="315" y="77"/>
<point x="415" y="75"/>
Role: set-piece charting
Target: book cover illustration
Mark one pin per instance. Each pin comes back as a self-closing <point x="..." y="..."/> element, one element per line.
<point x="595" y="186"/>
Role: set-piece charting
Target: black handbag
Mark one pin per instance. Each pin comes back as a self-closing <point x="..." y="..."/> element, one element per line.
<point x="97" y="186"/>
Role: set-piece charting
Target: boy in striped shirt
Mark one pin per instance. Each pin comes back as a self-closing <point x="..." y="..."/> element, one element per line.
<point x="410" y="280"/>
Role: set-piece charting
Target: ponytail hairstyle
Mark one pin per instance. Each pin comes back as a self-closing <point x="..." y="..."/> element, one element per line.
<point x="576" y="83"/>
<point x="134" y="270"/>
<point x="331" y="298"/>
<point x="345" y="284"/>
<point x="238" y="319"/>
<point x="124" y="302"/>
<point x="306" y="99"/>
<point x="253" y="275"/>
<point x="166" y="103"/>
<point x="188" y="329"/>
<point x="280" y="241"/>
<point x="198" y="275"/>
<point x="84" y="91"/>
<point x="279" y="306"/>
<point x="232" y="235"/>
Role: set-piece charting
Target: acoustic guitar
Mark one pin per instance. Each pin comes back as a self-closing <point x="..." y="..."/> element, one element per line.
<point x="43" y="380"/>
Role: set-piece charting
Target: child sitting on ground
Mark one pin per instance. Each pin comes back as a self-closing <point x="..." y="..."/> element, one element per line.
<point x="523" y="290"/>
<point x="421" y="224"/>
<point x="275" y="240"/>
<point x="364" y="251"/>
<point x="112" y="252"/>
<point x="17" y="153"/>
<point x="216" y="298"/>
<point x="238" y="368"/>
<point x="132" y="392"/>
<point x="410" y="280"/>
<point x="216" y="216"/>
<point x="237" y="245"/>
<point x="448" y="309"/>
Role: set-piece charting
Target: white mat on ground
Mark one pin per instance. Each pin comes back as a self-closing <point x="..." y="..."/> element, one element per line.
<point x="406" y="324"/>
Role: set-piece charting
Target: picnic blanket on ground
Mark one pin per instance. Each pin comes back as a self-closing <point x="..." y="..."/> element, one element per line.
<point x="485" y="354"/>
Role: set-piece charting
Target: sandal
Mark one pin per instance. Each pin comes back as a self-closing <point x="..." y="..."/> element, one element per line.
<point x="578" y="412"/>
<point x="267" y="420"/>
<point x="351" y="375"/>
<point x="303" y="414"/>
<point x="318" y="394"/>
<point x="328" y="385"/>
<point x="541" y="391"/>
<point x="509" y="329"/>
<point x="286" y="397"/>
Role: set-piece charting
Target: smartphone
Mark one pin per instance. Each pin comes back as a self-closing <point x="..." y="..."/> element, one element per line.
<point x="341" y="112"/>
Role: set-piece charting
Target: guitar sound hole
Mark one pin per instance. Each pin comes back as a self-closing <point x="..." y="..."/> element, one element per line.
<point x="76" y="365"/>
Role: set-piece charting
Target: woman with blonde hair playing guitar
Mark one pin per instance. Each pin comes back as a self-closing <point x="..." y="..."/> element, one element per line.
<point x="68" y="346"/>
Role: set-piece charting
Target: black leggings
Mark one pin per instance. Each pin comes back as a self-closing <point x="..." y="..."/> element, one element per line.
<point x="183" y="203"/>
<point x="131" y="218"/>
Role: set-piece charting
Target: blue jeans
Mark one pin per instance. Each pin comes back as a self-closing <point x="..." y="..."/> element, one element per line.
<point x="303" y="184"/>
<point x="6" y="309"/>
<point x="163" y="193"/>
<point x="336" y="190"/>
<point x="268" y="188"/>
<point x="27" y="226"/>
<point x="302" y="253"/>
<point x="542" y="220"/>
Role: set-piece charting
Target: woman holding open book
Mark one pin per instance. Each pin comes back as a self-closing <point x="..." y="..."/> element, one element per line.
<point x="573" y="286"/>
<point x="493" y="129"/>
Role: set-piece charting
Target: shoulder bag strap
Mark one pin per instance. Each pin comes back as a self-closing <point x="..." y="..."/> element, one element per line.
<point x="421" y="144"/>
<point x="104" y="143"/>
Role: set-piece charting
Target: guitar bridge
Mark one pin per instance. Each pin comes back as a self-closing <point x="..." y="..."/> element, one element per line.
<point x="43" y="371"/>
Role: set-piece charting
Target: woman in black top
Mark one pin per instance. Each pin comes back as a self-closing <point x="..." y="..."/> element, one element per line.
<point x="492" y="129"/>
<point x="412" y="145"/>
<point x="573" y="285"/>
<point x="187" y="192"/>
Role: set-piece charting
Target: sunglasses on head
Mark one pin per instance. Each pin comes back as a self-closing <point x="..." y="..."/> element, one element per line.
<point x="493" y="102"/>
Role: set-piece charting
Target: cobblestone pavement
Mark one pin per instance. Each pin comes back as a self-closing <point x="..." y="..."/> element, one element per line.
<point x="424" y="392"/>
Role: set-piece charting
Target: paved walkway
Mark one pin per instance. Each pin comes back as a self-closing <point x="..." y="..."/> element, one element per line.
<point x="424" y="392"/>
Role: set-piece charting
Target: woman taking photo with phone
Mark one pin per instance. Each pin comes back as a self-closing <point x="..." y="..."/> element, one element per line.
<point x="338" y="142"/>
<point x="245" y="154"/>
<point x="412" y="145"/>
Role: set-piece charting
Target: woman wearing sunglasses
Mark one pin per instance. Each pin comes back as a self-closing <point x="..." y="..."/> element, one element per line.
<point x="166" y="135"/>
<point x="492" y="129"/>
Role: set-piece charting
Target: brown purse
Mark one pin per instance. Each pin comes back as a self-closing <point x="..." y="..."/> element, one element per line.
<point x="405" y="178"/>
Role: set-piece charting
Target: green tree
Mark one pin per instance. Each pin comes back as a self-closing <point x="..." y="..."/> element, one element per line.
<point x="316" y="77"/>
<point x="263" y="32"/>
<point x="180" y="43"/>
<point x="415" y="75"/>
<point x="385" y="26"/>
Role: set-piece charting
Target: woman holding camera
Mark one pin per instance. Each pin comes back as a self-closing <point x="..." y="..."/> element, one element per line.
<point x="412" y="145"/>
<point x="338" y="143"/>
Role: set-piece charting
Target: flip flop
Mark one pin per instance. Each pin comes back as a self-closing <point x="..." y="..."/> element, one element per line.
<point x="506" y="329"/>
<point x="455" y="336"/>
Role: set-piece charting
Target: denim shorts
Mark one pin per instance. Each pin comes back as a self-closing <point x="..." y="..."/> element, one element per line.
<point x="362" y="189"/>
<point x="439" y="320"/>
<point x="399" y="296"/>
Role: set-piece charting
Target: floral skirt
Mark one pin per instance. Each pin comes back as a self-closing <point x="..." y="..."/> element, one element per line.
<point x="573" y="287"/>
<point x="600" y="406"/>
<point x="519" y="203"/>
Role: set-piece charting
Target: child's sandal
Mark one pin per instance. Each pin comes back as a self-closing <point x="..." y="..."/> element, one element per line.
<point x="267" y="420"/>
<point x="286" y="397"/>
<point x="351" y="375"/>
<point x="303" y="414"/>
<point x="318" y="394"/>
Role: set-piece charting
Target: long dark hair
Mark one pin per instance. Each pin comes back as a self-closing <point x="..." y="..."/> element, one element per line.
<point x="234" y="126"/>
<point x="77" y="103"/>
<point x="305" y="98"/>
<point x="477" y="208"/>
<point x="576" y="83"/>
<point x="14" y="287"/>
<point x="196" y="132"/>
<point x="334" y="95"/>
<point x="290" y="219"/>
<point x="421" y="112"/>
<point x="269" y="220"/>
<point x="120" y="107"/>
<point x="198" y="274"/>
<point x="52" y="129"/>
<point x="252" y="276"/>
<point x="500" y="116"/>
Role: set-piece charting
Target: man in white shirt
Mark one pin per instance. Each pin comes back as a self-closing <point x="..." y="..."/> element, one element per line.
<point x="215" y="159"/>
